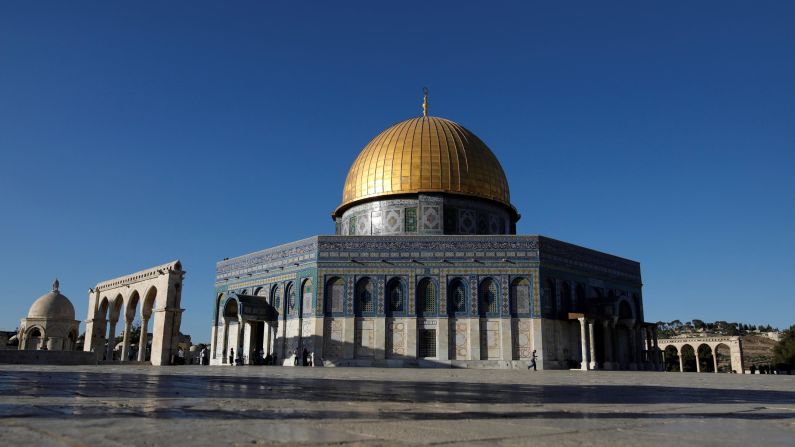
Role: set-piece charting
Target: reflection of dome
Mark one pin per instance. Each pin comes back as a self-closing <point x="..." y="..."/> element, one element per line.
<point x="52" y="305"/>
<point x="426" y="154"/>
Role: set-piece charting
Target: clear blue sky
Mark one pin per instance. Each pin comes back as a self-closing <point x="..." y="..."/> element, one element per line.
<point x="135" y="134"/>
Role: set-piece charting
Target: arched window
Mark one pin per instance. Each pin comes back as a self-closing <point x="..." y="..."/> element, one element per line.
<point x="394" y="295"/>
<point x="276" y="298"/>
<point x="456" y="297"/>
<point x="488" y="297"/>
<point x="520" y="296"/>
<point x="364" y="297"/>
<point x="306" y="297"/>
<point x="290" y="294"/>
<point x="426" y="297"/>
<point x="335" y="295"/>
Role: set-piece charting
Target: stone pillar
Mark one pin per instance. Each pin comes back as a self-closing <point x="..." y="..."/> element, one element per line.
<point x="246" y="342"/>
<point x="111" y="340"/>
<point x="583" y="344"/>
<point x="266" y="338"/>
<point x="143" y="340"/>
<point x="698" y="362"/>
<point x="239" y="351"/>
<point x="681" y="362"/>
<point x="592" y="346"/>
<point x="125" y="345"/>
<point x="715" y="359"/>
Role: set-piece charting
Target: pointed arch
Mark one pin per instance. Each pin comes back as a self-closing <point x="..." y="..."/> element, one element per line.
<point x="488" y="297"/>
<point x="456" y="297"/>
<point x="131" y="308"/>
<point x="307" y="293"/>
<point x="426" y="297"/>
<point x="334" y="295"/>
<point x="520" y="297"/>
<point x="395" y="296"/>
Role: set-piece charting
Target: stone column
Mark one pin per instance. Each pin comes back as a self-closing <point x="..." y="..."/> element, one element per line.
<point x="266" y="338"/>
<point x="681" y="362"/>
<point x="111" y="340"/>
<point x="698" y="362"/>
<point x="125" y="345"/>
<point x="237" y="346"/>
<point x="715" y="359"/>
<point x="248" y="330"/>
<point x="143" y="340"/>
<point x="584" y="344"/>
<point x="592" y="346"/>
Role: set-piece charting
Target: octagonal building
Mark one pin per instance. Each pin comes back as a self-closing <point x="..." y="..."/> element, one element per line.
<point x="426" y="269"/>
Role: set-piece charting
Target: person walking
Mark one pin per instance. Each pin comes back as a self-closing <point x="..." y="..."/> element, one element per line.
<point x="533" y="361"/>
<point x="232" y="356"/>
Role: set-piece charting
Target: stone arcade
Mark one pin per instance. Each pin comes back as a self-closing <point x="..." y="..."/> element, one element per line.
<point x="156" y="291"/>
<point x="426" y="269"/>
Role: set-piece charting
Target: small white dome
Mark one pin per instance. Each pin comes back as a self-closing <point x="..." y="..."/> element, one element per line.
<point x="52" y="305"/>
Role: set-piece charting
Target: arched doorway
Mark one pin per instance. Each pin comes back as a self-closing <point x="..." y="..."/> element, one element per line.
<point x="33" y="339"/>
<point x="231" y="331"/>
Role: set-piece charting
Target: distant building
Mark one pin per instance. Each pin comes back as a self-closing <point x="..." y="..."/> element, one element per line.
<point x="50" y="323"/>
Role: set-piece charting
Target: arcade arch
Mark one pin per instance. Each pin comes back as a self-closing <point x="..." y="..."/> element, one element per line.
<point x="160" y="288"/>
<point x="703" y="354"/>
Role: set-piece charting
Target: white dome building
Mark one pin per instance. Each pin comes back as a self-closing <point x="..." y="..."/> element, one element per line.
<point x="50" y="323"/>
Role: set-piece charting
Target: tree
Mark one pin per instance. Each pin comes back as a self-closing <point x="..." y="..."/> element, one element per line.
<point x="784" y="351"/>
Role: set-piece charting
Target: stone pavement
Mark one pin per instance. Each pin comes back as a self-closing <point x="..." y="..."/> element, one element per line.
<point x="193" y="405"/>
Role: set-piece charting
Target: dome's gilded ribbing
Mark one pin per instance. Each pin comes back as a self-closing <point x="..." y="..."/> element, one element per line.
<point x="425" y="154"/>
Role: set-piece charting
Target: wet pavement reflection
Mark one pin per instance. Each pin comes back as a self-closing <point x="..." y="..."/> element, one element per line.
<point x="331" y="396"/>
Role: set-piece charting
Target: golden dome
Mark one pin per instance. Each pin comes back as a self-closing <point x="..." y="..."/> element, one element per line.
<point x="425" y="154"/>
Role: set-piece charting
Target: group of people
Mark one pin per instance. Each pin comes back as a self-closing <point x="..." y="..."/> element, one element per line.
<point x="302" y="358"/>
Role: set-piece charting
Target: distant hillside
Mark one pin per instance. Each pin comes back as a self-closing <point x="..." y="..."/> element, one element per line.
<point x="757" y="350"/>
